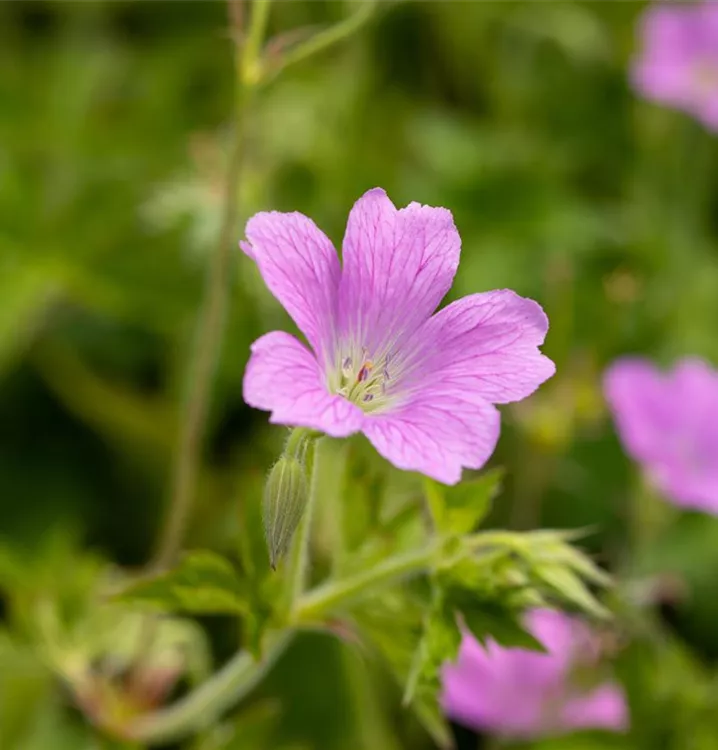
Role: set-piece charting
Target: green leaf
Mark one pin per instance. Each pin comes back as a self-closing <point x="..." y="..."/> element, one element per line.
<point x="439" y="642"/>
<point x="491" y="620"/>
<point x="461" y="508"/>
<point x="566" y="583"/>
<point x="203" y="583"/>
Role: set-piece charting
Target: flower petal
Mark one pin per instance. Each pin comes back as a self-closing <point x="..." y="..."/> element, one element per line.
<point x="300" y="267"/>
<point x="398" y="265"/>
<point x="436" y="434"/>
<point x="646" y="414"/>
<point x="283" y="377"/>
<point x="483" y="346"/>
<point x="604" y="707"/>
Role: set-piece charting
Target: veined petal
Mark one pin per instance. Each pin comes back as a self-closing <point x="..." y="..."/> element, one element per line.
<point x="436" y="434"/>
<point x="300" y="267"/>
<point x="483" y="346"/>
<point x="283" y="377"/>
<point x="398" y="265"/>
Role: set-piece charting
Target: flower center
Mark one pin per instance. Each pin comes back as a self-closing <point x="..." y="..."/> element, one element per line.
<point x="362" y="379"/>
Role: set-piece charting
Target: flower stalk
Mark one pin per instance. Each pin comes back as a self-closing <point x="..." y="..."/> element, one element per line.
<point x="299" y="563"/>
<point x="205" y="704"/>
<point x="212" y="314"/>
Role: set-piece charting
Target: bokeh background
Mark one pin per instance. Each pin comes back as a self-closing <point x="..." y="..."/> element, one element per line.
<point x="565" y="186"/>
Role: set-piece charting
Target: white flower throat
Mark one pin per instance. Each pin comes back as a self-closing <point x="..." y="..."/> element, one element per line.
<point x="363" y="380"/>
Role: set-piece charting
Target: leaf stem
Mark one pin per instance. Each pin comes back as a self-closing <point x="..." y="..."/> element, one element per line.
<point x="334" y="594"/>
<point x="327" y="38"/>
<point x="337" y="593"/>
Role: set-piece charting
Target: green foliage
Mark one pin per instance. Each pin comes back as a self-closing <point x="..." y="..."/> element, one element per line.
<point x="461" y="508"/>
<point x="202" y="583"/>
<point x="488" y="593"/>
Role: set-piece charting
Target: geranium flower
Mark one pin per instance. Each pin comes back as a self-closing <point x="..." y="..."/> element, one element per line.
<point x="421" y="387"/>
<point x="678" y="61"/>
<point x="524" y="694"/>
<point x="668" y="422"/>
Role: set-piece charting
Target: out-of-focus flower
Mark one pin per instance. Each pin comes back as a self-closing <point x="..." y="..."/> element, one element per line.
<point x="421" y="387"/>
<point x="678" y="61"/>
<point x="518" y="693"/>
<point x="668" y="422"/>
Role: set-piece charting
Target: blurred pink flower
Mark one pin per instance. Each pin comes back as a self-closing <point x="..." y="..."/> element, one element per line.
<point x="524" y="694"/>
<point x="678" y="61"/>
<point x="668" y="422"/>
<point x="421" y="387"/>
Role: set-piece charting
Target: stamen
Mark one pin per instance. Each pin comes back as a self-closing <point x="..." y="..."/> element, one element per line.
<point x="366" y="384"/>
<point x="364" y="372"/>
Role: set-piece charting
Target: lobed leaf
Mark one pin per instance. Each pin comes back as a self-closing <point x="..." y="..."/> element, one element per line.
<point x="203" y="583"/>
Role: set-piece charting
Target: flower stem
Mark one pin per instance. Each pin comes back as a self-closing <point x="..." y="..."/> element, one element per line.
<point x="203" y="705"/>
<point x="335" y="594"/>
<point x="299" y="560"/>
<point x="212" y="314"/>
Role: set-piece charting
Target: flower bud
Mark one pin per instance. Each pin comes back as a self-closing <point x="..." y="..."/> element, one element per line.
<point x="285" y="497"/>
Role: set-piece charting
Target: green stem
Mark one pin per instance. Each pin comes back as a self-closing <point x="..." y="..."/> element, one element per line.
<point x="301" y="549"/>
<point x="332" y="508"/>
<point x="336" y="594"/>
<point x="205" y="704"/>
<point x="650" y="515"/>
<point x="251" y="61"/>
<point x="297" y="443"/>
<point x="327" y="38"/>
<point x="211" y="320"/>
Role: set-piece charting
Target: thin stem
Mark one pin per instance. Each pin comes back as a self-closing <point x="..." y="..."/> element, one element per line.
<point x="250" y="64"/>
<point x="650" y="515"/>
<point x="211" y="320"/>
<point x="299" y="561"/>
<point x="203" y="705"/>
<point x="335" y="594"/>
<point x="332" y="507"/>
<point x="325" y="39"/>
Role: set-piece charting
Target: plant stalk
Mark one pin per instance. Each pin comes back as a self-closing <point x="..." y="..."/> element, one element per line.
<point x="212" y="314"/>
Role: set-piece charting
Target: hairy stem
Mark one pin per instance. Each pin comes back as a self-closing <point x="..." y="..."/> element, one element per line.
<point x="301" y="549"/>
<point x="212" y="314"/>
<point x="335" y="594"/>
<point x="206" y="703"/>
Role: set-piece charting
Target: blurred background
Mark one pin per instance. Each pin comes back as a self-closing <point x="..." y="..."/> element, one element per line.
<point x="565" y="186"/>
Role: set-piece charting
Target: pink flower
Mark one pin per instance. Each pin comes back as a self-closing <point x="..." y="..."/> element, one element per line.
<point x="668" y="422"/>
<point x="421" y="387"/>
<point x="518" y="693"/>
<point x="678" y="62"/>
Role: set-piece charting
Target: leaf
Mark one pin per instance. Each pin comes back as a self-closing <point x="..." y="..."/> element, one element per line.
<point x="26" y="291"/>
<point x="392" y="626"/>
<point x="203" y="583"/>
<point x="440" y="642"/>
<point x="461" y="508"/>
<point x="566" y="583"/>
<point x="501" y="624"/>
